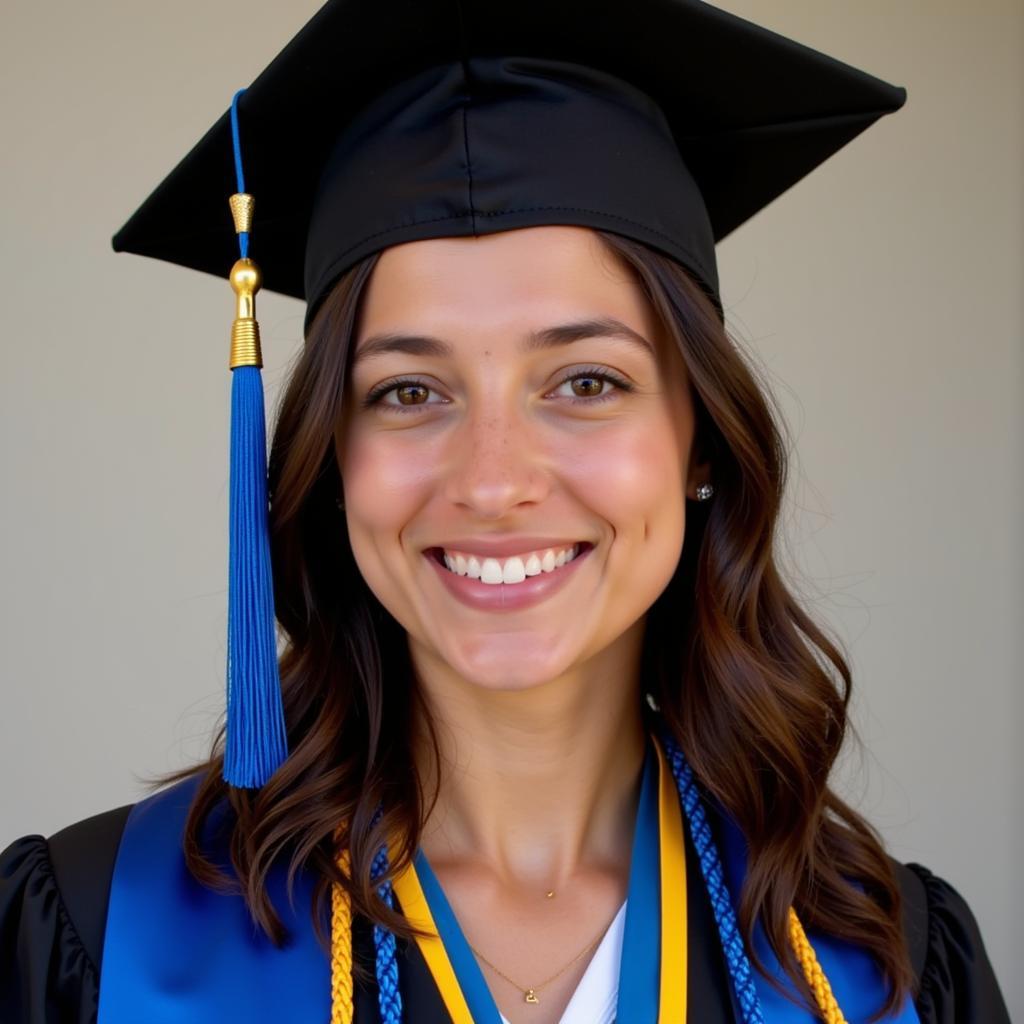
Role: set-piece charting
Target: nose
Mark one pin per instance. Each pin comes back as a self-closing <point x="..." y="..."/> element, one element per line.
<point x="496" y="461"/>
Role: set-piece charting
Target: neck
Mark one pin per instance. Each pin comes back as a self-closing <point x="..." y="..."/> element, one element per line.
<point x="534" y="784"/>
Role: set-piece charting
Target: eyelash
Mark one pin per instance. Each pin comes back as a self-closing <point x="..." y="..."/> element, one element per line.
<point x="385" y="387"/>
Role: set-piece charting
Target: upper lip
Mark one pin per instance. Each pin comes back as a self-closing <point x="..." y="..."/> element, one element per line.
<point x="501" y="547"/>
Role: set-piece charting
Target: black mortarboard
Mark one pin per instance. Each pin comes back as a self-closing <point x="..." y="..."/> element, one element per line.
<point x="386" y="121"/>
<point x="459" y="117"/>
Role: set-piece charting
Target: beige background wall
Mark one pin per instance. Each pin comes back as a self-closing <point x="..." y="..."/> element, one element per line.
<point x="882" y="296"/>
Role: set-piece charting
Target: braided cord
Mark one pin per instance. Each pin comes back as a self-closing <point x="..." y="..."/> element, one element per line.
<point x="342" y="1008"/>
<point x="388" y="995"/>
<point x="815" y="976"/>
<point x="740" y="971"/>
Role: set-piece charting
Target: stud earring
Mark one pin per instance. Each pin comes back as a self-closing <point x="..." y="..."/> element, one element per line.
<point x="340" y="503"/>
<point x="704" y="491"/>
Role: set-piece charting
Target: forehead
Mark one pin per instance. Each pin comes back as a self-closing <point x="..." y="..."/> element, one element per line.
<point x="511" y="282"/>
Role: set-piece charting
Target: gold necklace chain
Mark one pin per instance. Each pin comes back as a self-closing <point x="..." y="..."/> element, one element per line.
<point x="530" y="994"/>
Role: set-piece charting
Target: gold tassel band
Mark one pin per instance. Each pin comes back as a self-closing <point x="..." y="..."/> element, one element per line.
<point x="245" y="344"/>
<point x="241" y="211"/>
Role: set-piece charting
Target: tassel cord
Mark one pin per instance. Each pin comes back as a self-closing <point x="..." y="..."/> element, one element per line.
<point x="236" y="145"/>
<point x="256" y="740"/>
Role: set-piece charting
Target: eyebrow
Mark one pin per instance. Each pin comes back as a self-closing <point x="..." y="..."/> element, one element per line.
<point x="549" y="337"/>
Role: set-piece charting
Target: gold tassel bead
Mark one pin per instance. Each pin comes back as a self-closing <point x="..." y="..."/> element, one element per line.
<point x="246" y="280"/>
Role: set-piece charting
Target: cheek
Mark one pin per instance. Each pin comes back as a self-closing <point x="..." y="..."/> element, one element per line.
<point x="385" y="483"/>
<point x="384" y="477"/>
<point x="630" y="475"/>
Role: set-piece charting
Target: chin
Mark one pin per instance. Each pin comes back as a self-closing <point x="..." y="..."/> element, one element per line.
<point x="501" y="667"/>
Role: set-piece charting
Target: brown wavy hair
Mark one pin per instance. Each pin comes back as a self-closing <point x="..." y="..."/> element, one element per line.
<point x="753" y="690"/>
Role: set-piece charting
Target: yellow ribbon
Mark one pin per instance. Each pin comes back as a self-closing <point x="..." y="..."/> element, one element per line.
<point x="673" y="967"/>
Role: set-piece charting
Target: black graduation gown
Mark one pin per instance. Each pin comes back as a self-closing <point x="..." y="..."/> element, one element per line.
<point x="53" y="902"/>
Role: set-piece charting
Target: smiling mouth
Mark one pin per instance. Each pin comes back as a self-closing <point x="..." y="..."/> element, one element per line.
<point x="508" y="571"/>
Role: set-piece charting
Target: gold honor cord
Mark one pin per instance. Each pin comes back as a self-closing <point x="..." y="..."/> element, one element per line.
<point x="342" y="1005"/>
<point x="827" y="1005"/>
<point x="672" y="1001"/>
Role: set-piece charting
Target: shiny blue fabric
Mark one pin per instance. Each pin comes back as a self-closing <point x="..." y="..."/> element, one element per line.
<point x="855" y="978"/>
<point x="174" y="951"/>
<point x="640" y="964"/>
<point x="471" y="979"/>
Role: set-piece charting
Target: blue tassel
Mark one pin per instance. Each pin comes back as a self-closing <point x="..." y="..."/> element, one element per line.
<point x="256" y="743"/>
<point x="256" y="740"/>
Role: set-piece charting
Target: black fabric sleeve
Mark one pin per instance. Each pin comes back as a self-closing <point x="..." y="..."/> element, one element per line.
<point x="956" y="982"/>
<point x="53" y="908"/>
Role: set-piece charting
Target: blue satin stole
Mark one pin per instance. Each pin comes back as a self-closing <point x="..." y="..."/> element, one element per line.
<point x="854" y="976"/>
<point x="175" y="951"/>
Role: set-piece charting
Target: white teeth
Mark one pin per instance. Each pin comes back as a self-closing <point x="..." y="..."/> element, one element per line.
<point x="514" y="570"/>
<point x="490" y="571"/>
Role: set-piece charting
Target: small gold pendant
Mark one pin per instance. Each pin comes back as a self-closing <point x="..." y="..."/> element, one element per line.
<point x="530" y="997"/>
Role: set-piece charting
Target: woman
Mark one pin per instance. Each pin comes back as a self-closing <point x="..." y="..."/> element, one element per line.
<point x="552" y="739"/>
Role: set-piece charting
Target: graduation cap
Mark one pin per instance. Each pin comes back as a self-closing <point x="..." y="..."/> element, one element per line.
<point x="386" y="121"/>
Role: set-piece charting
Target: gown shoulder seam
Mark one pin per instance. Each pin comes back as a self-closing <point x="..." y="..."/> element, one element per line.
<point x="916" y="919"/>
<point x="923" y="875"/>
<point x="82" y="858"/>
<point x="68" y="925"/>
<point x="958" y="976"/>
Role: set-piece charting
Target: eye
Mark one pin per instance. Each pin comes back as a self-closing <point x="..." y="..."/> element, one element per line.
<point x="411" y="394"/>
<point x="592" y="379"/>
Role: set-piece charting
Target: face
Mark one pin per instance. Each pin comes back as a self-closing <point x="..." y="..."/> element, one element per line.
<point x="513" y="395"/>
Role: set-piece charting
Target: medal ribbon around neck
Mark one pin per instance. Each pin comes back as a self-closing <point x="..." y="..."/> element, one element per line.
<point x="652" y="980"/>
<point x="651" y="983"/>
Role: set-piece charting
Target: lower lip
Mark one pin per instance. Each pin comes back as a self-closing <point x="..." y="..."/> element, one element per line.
<point x="506" y="597"/>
